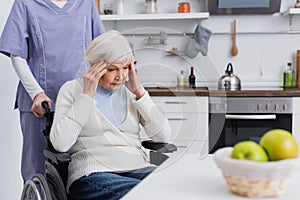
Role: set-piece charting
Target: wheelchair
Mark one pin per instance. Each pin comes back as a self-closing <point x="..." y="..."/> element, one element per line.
<point x="52" y="185"/>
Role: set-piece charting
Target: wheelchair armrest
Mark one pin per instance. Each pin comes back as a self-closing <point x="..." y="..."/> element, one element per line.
<point x="159" y="146"/>
<point x="57" y="157"/>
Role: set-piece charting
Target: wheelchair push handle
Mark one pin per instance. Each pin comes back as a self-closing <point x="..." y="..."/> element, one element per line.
<point x="49" y="118"/>
<point x="46" y="106"/>
<point x="48" y="114"/>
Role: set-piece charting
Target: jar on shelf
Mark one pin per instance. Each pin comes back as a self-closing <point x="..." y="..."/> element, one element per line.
<point x="297" y="4"/>
<point x="108" y="9"/>
<point x="184" y="7"/>
<point x="151" y="7"/>
<point x="120" y="7"/>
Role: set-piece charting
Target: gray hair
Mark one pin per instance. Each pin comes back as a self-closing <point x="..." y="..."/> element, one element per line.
<point x="110" y="46"/>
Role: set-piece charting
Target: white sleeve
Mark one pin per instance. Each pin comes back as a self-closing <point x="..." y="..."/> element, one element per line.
<point x="155" y="123"/>
<point x="23" y="71"/>
<point x="71" y="115"/>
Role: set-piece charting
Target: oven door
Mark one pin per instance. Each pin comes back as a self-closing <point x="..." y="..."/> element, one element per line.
<point x="241" y="127"/>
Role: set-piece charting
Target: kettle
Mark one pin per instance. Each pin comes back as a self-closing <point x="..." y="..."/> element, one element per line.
<point x="229" y="81"/>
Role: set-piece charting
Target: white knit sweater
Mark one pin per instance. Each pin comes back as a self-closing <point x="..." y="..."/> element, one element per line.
<point x="94" y="143"/>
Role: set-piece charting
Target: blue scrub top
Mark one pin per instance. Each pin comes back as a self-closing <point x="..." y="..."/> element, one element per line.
<point x="53" y="40"/>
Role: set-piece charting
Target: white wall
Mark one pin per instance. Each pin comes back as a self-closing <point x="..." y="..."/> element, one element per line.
<point x="10" y="134"/>
<point x="264" y="43"/>
<point x="259" y="61"/>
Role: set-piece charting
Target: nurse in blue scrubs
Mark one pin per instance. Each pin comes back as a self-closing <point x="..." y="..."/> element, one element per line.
<point x="46" y="41"/>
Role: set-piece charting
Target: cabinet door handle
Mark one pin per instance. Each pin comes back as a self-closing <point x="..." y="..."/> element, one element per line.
<point x="175" y="102"/>
<point x="177" y="119"/>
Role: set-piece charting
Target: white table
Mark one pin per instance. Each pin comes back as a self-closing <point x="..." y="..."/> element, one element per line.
<point x="193" y="178"/>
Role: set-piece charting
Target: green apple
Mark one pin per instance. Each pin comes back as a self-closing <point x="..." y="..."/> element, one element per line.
<point x="279" y="144"/>
<point x="248" y="150"/>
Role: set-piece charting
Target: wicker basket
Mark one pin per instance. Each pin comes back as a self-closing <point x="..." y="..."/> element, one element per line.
<point x="255" y="188"/>
<point x="253" y="179"/>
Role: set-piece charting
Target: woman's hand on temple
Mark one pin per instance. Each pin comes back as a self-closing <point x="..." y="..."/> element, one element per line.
<point x="37" y="108"/>
<point x="133" y="83"/>
<point x="91" y="78"/>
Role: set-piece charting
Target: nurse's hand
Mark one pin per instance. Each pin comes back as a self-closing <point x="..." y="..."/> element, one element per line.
<point x="37" y="108"/>
<point x="133" y="83"/>
<point x="91" y="78"/>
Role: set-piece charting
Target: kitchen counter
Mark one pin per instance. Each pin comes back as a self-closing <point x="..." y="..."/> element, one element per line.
<point x="172" y="91"/>
<point x="191" y="177"/>
<point x="204" y="91"/>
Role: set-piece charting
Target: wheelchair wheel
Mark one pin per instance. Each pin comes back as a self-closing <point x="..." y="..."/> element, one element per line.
<point x="55" y="182"/>
<point x="36" y="189"/>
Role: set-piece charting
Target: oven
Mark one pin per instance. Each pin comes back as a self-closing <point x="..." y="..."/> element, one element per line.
<point x="235" y="119"/>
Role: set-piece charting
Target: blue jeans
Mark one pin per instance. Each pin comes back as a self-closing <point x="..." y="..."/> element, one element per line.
<point x="107" y="185"/>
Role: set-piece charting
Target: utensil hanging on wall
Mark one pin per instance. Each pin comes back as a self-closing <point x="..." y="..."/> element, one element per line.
<point x="234" y="50"/>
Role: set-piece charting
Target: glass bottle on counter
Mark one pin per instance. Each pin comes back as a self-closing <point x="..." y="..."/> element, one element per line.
<point x="185" y="84"/>
<point x="181" y="80"/>
<point x="289" y="76"/>
<point x="192" y="78"/>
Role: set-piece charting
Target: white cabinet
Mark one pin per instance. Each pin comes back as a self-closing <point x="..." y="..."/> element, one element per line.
<point x="296" y="118"/>
<point x="188" y="117"/>
<point x="132" y="7"/>
<point x="166" y="16"/>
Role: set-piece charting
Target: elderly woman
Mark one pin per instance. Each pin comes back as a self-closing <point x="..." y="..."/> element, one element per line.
<point x="98" y="120"/>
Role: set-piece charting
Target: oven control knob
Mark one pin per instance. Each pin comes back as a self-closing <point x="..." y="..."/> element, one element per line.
<point x="276" y="107"/>
<point x="258" y="107"/>
<point x="267" y="106"/>
<point x="284" y="107"/>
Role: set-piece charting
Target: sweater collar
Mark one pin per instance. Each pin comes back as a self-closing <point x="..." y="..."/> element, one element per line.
<point x="104" y="92"/>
